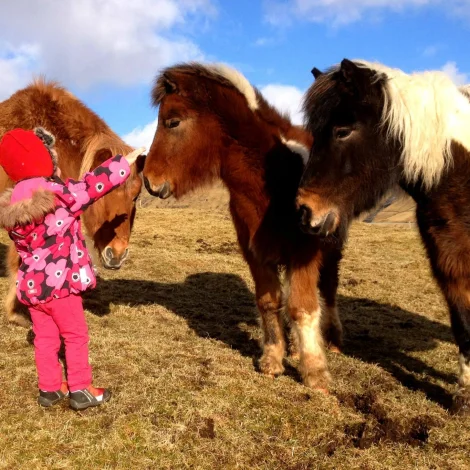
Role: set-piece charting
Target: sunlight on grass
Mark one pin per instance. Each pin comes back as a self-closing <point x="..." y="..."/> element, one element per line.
<point x="175" y="335"/>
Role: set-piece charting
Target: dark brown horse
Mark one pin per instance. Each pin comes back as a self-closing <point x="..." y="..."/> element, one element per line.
<point x="213" y="124"/>
<point x="83" y="140"/>
<point x="376" y="128"/>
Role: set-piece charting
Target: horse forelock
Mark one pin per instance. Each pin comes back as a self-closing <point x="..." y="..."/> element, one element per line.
<point x="425" y="112"/>
<point x="320" y="101"/>
<point x="220" y="73"/>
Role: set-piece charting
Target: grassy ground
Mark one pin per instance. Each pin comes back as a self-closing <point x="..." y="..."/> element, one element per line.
<point x="175" y="335"/>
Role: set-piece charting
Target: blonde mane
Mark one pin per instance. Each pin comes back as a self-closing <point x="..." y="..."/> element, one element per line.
<point x="97" y="142"/>
<point x="238" y="80"/>
<point x="426" y="112"/>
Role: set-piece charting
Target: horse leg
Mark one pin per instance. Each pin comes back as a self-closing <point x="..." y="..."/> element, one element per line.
<point x="458" y="299"/>
<point x="328" y="286"/>
<point x="268" y="300"/>
<point x="305" y="312"/>
<point x="447" y="245"/>
<point x="15" y="312"/>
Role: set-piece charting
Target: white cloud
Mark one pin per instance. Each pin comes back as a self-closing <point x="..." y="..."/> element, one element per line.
<point x="141" y="136"/>
<point x="84" y="42"/>
<point x="263" y="41"/>
<point x="286" y="98"/>
<point x="459" y="78"/>
<point x="340" y="12"/>
<point x="14" y="67"/>
<point x="430" y="51"/>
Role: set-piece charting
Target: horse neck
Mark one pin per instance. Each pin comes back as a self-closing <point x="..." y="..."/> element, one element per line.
<point x="255" y="175"/>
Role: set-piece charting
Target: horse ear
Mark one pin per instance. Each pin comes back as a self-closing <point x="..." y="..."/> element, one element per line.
<point x="140" y="162"/>
<point x="349" y="70"/>
<point x="356" y="78"/>
<point x="316" y="72"/>
<point x="169" y="84"/>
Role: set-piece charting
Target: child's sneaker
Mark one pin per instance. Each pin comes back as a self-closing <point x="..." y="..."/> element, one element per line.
<point x="48" y="399"/>
<point x="91" y="396"/>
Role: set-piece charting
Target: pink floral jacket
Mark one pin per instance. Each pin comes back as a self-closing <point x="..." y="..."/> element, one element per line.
<point x="42" y="218"/>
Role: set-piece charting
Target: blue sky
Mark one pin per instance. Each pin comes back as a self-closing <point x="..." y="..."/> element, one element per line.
<point x="107" y="52"/>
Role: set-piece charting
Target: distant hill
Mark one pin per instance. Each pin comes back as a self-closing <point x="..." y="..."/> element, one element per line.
<point x="396" y="208"/>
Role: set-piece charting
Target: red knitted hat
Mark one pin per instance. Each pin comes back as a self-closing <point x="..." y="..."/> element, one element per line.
<point x="28" y="154"/>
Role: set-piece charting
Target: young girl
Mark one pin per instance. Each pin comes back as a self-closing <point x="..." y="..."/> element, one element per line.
<point x="42" y="217"/>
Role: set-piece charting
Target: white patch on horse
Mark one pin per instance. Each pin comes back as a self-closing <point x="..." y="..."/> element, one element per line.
<point x="464" y="378"/>
<point x="297" y="147"/>
<point x="425" y="111"/>
<point x="309" y="334"/>
<point x="239" y="81"/>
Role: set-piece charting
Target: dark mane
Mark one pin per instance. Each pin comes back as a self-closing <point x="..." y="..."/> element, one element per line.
<point x="320" y="99"/>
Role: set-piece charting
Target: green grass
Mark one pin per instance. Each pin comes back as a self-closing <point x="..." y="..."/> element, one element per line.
<point x="175" y="335"/>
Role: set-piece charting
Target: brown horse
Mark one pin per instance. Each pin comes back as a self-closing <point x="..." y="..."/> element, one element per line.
<point x="213" y="124"/>
<point x="83" y="140"/>
<point x="376" y="128"/>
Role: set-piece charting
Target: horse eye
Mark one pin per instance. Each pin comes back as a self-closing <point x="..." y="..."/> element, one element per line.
<point x="342" y="132"/>
<point x="171" y="123"/>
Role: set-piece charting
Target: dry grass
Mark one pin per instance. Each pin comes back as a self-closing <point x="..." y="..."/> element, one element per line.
<point x="175" y="335"/>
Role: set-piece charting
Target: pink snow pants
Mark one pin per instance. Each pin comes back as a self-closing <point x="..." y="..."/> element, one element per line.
<point x="63" y="317"/>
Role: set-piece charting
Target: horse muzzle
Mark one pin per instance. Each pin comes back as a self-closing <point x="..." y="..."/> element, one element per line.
<point x="111" y="261"/>
<point x="163" y="191"/>
<point x="320" y="226"/>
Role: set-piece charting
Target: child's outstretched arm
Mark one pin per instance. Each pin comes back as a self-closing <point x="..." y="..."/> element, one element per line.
<point x="102" y="180"/>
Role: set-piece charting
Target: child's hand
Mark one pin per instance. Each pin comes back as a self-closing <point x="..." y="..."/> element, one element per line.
<point x="132" y="157"/>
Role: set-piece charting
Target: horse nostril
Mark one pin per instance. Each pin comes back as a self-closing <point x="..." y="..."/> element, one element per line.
<point x="328" y="224"/>
<point x="108" y="253"/>
<point x="164" y="190"/>
<point x="305" y="214"/>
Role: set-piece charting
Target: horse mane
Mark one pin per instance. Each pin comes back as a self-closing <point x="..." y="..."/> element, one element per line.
<point x="221" y="73"/>
<point x="465" y="89"/>
<point x="94" y="143"/>
<point x="79" y="123"/>
<point x="424" y="111"/>
<point x="224" y="75"/>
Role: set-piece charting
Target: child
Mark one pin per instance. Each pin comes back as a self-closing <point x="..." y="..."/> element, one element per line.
<point x="42" y="217"/>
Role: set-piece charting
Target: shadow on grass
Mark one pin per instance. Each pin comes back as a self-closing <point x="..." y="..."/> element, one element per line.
<point x="221" y="306"/>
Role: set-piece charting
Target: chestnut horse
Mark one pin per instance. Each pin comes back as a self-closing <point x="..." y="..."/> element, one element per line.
<point x="83" y="140"/>
<point x="376" y="128"/>
<point x="213" y="124"/>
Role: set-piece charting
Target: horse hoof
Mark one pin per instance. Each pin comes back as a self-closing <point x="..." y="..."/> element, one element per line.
<point x="295" y="356"/>
<point x="270" y="366"/>
<point x="317" y="381"/>
<point x="19" y="320"/>
<point x="461" y="402"/>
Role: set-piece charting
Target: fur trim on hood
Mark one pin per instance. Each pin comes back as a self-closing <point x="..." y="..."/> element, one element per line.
<point x="27" y="211"/>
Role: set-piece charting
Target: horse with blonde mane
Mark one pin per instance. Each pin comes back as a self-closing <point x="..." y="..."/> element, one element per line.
<point x="376" y="128"/>
<point x="83" y="141"/>
<point x="213" y="124"/>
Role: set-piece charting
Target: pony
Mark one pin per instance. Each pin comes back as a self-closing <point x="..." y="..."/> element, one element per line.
<point x="376" y="128"/>
<point x="83" y="141"/>
<point x="213" y="124"/>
